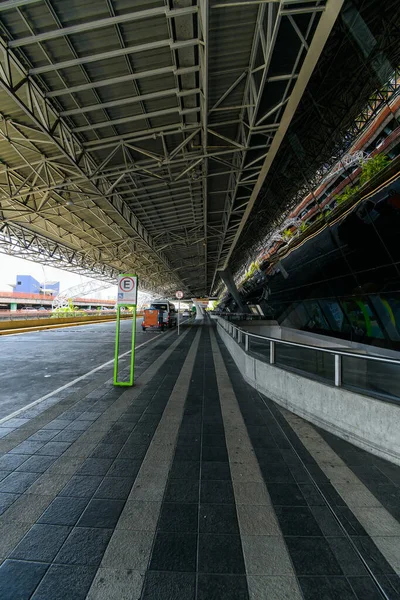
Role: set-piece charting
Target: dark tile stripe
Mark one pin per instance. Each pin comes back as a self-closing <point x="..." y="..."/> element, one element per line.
<point x="197" y="532"/>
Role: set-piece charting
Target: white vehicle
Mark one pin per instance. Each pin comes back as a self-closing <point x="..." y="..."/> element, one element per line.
<point x="186" y="313"/>
<point x="169" y="312"/>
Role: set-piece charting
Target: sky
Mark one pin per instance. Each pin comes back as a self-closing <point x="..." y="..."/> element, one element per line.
<point x="11" y="266"/>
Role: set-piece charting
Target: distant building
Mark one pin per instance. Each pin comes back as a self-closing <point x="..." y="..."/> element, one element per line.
<point x="30" y="285"/>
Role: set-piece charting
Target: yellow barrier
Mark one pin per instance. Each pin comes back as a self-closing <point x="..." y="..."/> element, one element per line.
<point x="37" y="324"/>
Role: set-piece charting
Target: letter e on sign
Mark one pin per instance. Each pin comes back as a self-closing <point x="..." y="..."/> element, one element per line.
<point x="127" y="289"/>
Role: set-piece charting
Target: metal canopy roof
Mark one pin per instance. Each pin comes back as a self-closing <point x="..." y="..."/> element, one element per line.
<point x="135" y="135"/>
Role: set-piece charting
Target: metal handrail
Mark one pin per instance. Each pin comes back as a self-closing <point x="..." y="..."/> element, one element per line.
<point x="310" y="347"/>
<point x="240" y="334"/>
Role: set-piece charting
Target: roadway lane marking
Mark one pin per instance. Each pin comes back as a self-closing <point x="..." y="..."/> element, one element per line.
<point x="67" y="385"/>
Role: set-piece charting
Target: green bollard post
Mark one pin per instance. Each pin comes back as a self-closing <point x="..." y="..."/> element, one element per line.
<point x="127" y="297"/>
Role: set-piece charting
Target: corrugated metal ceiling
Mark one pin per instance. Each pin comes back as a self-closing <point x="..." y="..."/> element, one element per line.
<point x="146" y="120"/>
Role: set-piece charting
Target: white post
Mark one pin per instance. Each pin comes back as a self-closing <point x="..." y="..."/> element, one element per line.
<point x="271" y="352"/>
<point x="179" y="313"/>
<point x="338" y="370"/>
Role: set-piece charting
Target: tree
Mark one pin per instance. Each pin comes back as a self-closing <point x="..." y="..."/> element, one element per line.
<point x="372" y="166"/>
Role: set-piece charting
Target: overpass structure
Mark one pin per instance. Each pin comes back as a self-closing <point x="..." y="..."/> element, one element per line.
<point x="137" y="136"/>
<point x="15" y="300"/>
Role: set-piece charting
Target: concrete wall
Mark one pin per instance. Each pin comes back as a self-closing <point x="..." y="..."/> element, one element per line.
<point x="371" y="424"/>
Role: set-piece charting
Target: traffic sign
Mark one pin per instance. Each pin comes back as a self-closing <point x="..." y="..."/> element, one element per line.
<point x="127" y="289"/>
<point x="179" y="295"/>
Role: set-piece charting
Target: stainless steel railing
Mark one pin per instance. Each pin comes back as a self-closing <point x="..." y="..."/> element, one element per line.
<point x="370" y="374"/>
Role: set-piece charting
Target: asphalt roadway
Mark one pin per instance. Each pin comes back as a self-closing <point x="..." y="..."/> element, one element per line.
<point x="38" y="363"/>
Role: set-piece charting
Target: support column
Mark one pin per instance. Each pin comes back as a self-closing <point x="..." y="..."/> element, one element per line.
<point x="227" y="278"/>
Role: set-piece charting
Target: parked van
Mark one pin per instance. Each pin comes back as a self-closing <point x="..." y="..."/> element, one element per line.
<point x="169" y="311"/>
<point x="153" y="318"/>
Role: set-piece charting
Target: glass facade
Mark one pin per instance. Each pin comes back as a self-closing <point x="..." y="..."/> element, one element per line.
<point x="344" y="280"/>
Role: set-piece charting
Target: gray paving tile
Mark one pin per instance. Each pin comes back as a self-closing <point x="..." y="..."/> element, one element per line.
<point x="65" y="582"/>
<point x="390" y="548"/>
<point x="128" y="549"/>
<point x="116" y="488"/>
<point x="349" y="561"/>
<point x="64" y="511"/>
<point x="219" y="554"/>
<point x="273" y="588"/>
<point x="101" y="513"/>
<point x="266" y="555"/>
<point x="17" y="482"/>
<point x="180" y="586"/>
<point x="5" y="431"/>
<point x="84" y="546"/>
<point x="9" y="462"/>
<point x="312" y="556"/>
<point x="176" y="552"/>
<point x="6" y="500"/>
<point x="221" y="587"/>
<point x="43" y="435"/>
<point x="121" y="584"/>
<point x="41" y="543"/>
<point x="19" y="579"/>
<point x="251" y="493"/>
<point x="139" y="516"/>
<point x="326" y="521"/>
<point x="37" y="464"/>
<point x="81" y="486"/>
<point x="10" y="535"/>
<point x="380" y="521"/>
<point x="66" y="436"/>
<point x="257" y="520"/>
<point x="48" y="484"/>
<point x="57" y="424"/>
<point x="213" y="518"/>
<point x="314" y="588"/>
<point x="95" y="466"/>
<point x="54" y="448"/>
<point x="27" y="447"/>
<point x="14" y="422"/>
<point x="148" y="489"/>
<point x="26" y="509"/>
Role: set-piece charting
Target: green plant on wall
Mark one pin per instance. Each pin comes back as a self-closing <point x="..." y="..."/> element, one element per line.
<point x="68" y="311"/>
<point x="287" y="234"/>
<point x="214" y="305"/>
<point x="253" y="268"/>
<point x="372" y="166"/>
<point x="347" y="193"/>
<point x="250" y="272"/>
<point x="303" y="227"/>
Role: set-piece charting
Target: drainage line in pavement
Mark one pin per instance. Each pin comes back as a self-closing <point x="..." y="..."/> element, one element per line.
<point x="331" y="509"/>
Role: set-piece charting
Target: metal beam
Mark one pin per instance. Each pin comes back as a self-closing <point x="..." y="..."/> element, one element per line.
<point x="154" y="114"/>
<point x="101" y="23"/>
<point x="122" y="102"/>
<point x="323" y="30"/>
<point x="65" y="64"/>
<point x="20" y="87"/>
<point x="10" y="4"/>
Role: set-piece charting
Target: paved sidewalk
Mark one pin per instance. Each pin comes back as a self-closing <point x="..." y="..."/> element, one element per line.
<point x="191" y="486"/>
